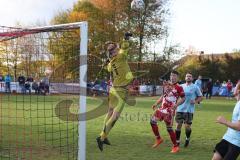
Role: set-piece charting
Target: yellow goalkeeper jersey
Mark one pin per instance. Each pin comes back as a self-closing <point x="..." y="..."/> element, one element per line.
<point x="119" y="67"/>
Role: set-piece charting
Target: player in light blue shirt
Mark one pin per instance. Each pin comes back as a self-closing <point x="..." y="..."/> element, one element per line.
<point x="229" y="147"/>
<point x="185" y="111"/>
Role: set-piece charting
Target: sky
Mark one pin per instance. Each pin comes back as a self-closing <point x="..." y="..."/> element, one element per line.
<point x="29" y="12"/>
<point x="211" y="26"/>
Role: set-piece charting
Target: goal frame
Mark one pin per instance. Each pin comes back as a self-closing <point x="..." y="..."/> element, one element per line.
<point x="83" y="26"/>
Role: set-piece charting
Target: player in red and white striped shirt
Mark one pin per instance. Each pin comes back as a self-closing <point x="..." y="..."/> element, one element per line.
<point x="172" y="97"/>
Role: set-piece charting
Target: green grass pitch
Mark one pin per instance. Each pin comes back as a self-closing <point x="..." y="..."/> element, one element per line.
<point x="53" y="139"/>
<point x="132" y="138"/>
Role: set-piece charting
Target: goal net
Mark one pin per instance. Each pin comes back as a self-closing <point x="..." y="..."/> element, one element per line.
<point x="41" y="72"/>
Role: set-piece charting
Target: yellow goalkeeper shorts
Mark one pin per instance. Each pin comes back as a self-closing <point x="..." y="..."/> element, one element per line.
<point x="117" y="98"/>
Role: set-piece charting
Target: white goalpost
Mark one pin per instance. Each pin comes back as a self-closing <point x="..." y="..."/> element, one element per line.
<point x="83" y="92"/>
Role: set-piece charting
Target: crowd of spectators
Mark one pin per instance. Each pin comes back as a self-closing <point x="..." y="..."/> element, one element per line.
<point x="24" y="84"/>
<point x="99" y="87"/>
<point x="207" y="86"/>
<point x="217" y="89"/>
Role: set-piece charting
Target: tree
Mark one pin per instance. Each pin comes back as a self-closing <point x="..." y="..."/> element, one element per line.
<point x="221" y="67"/>
<point x="110" y="19"/>
<point x="150" y="24"/>
<point x="231" y="67"/>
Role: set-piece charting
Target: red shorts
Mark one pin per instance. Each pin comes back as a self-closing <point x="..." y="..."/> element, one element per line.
<point x="164" y="114"/>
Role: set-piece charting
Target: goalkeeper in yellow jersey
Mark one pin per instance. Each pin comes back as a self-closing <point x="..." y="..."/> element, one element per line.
<point x="122" y="77"/>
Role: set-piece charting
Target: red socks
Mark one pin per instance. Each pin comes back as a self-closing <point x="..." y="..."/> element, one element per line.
<point x="155" y="130"/>
<point x="172" y="135"/>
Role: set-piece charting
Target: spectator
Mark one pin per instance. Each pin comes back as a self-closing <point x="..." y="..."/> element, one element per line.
<point x="28" y="85"/>
<point x="229" y="88"/>
<point x="21" y="81"/>
<point x="8" y="80"/>
<point x="1" y="80"/>
<point x="218" y="85"/>
<point x="89" y="87"/>
<point x="96" y="82"/>
<point x="41" y="87"/>
<point x="30" y="79"/>
<point x="154" y="88"/>
<point x="198" y="82"/>
<point x="209" y="89"/>
<point x="46" y="85"/>
<point x="224" y="84"/>
<point x="104" y="85"/>
<point x="96" y="87"/>
<point x="136" y="86"/>
<point x="35" y="87"/>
